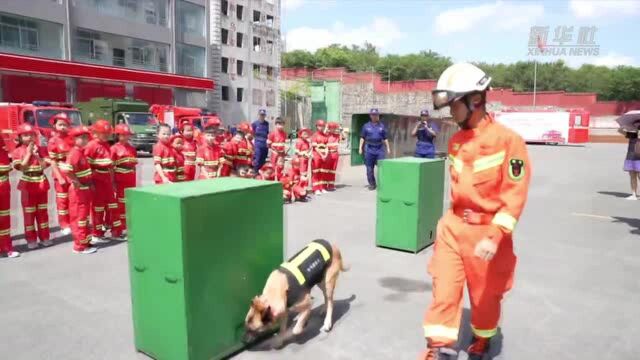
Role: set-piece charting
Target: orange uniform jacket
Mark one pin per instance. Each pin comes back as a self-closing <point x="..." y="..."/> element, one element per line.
<point x="33" y="178"/>
<point x="277" y="141"/>
<point x="490" y="173"/>
<point x="319" y="143"/>
<point x="189" y="150"/>
<point x="163" y="155"/>
<point x="59" y="147"/>
<point x="125" y="159"/>
<point x="98" y="154"/>
<point x="209" y="158"/>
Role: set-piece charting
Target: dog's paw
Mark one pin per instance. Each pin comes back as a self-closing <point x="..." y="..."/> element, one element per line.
<point x="297" y="330"/>
<point x="327" y="326"/>
<point x="278" y="343"/>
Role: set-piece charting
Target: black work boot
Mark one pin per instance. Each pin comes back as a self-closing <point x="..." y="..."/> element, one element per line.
<point x="479" y="348"/>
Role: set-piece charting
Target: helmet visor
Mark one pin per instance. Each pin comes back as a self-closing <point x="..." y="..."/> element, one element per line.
<point x="442" y="98"/>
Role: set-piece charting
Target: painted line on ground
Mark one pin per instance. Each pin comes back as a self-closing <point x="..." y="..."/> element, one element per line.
<point x="602" y="217"/>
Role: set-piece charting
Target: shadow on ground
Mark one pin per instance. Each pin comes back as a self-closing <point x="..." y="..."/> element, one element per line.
<point x="465" y="336"/>
<point x="312" y="330"/>
<point x="614" y="193"/>
<point x="402" y="287"/>
<point x="634" y="223"/>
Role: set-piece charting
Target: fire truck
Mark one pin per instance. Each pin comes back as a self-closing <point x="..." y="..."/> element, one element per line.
<point x="172" y="115"/>
<point x="37" y="114"/>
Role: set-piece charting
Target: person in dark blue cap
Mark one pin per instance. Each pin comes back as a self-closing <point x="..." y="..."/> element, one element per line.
<point x="426" y="131"/>
<point x="260" y="132"/>
<point x="372" y="137"/>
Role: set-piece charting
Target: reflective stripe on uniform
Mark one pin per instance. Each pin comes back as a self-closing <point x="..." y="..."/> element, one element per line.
<point x="98" y="209"/>
<point x="505" y="220"/>
<point x="83" y="173"/>
<point x="5" y="212"/>
<point x="82" y="223"/>
<point x="42" y="207"/>
<point x="120" y="170"/>
<point x="189" y="153"/>
<point x="440" y="331"/>
<point x="93" y="161"/>
<point x="63" y="212"/>
<point x="44" y="225"/>
<point x="33" y="179"/>
<point x="117" y="223"/>
<point x="126" y="159"/>
<point x="112" y="206"/>
<point x="488" y="162"/>
<point x="4" y="178"/>
<point x="5" y="232"/>
<point x="62" y="195"/>
<point x="30" y="228"/>
<point x="122" y="200"/>
<point x="484" y="333"/>
<point x="30" y="209"/>
<point x="101" y="171"/>
<point x="189" y="162"/>
<point x="456" y="163"/>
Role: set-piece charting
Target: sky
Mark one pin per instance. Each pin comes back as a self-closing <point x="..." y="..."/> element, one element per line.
<point x="496" y="31"/>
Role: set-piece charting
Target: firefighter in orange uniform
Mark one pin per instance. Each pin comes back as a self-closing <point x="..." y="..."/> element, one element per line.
<point x="277" y="142"/>
<point x="34" y="186"/>
<point x="333" y="144"/>
<point x="490" y="175"/>
<point x="78" y="172"/>
<point x="320" y="155"/>
<point x="59" y="146"/>
<point x="189" y="149"/>
<point x="210" y="155"/>
<point x="125" y="159"/>
<point x="104" y="209"/>
<point x="5" y="203"/>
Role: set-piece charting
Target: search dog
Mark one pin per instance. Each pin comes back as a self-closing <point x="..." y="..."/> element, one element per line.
<point x="319" y="263"/>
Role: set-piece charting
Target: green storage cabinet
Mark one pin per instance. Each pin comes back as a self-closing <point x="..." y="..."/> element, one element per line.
<point x="198" y="253"/>
<point x="410" y="202"/>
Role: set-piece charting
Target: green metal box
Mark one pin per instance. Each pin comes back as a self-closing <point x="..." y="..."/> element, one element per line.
<point x="410" y="202"/>
<point x="198" y="253"/>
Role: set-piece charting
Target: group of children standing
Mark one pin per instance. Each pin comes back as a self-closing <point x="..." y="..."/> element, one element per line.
<point x="90" y="176"/>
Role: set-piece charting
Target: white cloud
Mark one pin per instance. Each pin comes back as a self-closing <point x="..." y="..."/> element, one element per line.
<point x="381" y="32"/>
<point x="611" y="59"/>
<point x="291" y="4"/>
<point x="499" y="15"/>
<point x="592" y="9"/>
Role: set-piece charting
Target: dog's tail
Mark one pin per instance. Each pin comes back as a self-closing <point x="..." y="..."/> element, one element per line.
<point x="343" y="267"/>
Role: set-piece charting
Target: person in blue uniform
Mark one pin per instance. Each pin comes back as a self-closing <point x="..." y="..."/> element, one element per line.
<point x="260" y="132"/>
<point x="373" y="143"/>
<point x="426" y="131"/>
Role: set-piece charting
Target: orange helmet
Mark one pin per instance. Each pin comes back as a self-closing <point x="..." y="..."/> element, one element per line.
<point x="123" y="129"/>
<point x="244" y="127"/>
<point x="79" y="130"/>
<point x="333" y="125"/>
<point x="102" y="127"/>
<point x="25" y="129"/>
<point x="59" y="116"/>
<point x="320" y="123"/>
<point x="304" y="130"/>
<point x="213" y="121"/>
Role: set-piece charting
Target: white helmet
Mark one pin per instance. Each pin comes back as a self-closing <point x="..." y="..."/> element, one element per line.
<point x="457" y="81"/>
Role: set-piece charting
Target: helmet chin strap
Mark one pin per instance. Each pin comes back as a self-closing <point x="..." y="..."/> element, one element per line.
<point x="471" y="108"/>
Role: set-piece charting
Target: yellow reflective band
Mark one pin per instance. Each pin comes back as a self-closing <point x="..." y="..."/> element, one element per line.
<point x="100" y="171"/>
<point x="93" y="161"/>
<point x="98" y="209"/>
<point x="505" y="221"/>
<point x="117" y="223"/>
<point x="189" y="163"/>
<point x="83" y="173"/>
<point x="5" y="232"/>
<point x="65" y="167"/>
<point x="82" y="223"/>
<point x="295" y="271"/>
<point x="126" y="159"/>
<point x="323" y="251"/>
<point x="30" y="228"/>
<point x="484" y="333"/>
<point x="456" y="163"/>
<point x="63" y="212"/>
<point x="124" y="171"/>
<point x="42" y="206"/>
<point x="87" y="240"/>
<point x="30" y="210"/>
<point x="33" y="179"/>
<point x="62" y="195"/>
<point x="440" y="331"/>
<point x="4" y="178"/>
<point x="167" y="160"/>
<point x="123" y="216"/>
<point x="157" y="158"/>
<point x="189" y="153"/>
<point x="44" y="225"/>
<point x="83" y="187"/>
<point x="113" y="206"/>
<point x="5" y="168"/>
<point x="122" y="200"/>
<point x="210" y="163"/>
<point x="488" y="162"/>
<point x="35" y="168"/>
<point x="5" y="212"/>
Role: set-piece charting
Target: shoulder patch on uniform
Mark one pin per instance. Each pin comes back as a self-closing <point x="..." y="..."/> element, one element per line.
<point x="456" y="147"/>
<point x="516" y="169"/>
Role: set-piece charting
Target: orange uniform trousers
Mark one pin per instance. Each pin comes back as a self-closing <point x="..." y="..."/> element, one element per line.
<point x="452" y="264"/>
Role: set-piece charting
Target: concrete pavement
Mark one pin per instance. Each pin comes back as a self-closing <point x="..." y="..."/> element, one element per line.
<point x="576" y="292"/>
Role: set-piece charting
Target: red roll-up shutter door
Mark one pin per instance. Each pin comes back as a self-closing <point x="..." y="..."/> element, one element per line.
<point x="88" y="91"/>
<point x="27" y="89"/>
<point x="153" y="95"/>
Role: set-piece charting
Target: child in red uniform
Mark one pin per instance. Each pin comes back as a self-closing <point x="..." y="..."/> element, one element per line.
<point x="5" y="203"/>
<point x="299" y="184"/>
<point x="279" y="168"/>
<point x="59" y="146"/>
<point x="266" y="172"/>
<point x="177" y="144"/>
<point x="319" y="163"/>
<point x="189" y="150"/>
<point x="104" y="209"/>
<point x="78" y="171"/>
<point x="163" y="160"/>
<point x="210" y="155"/>
<point x="34" y="186"/>
<point x="333" y="144"/>
<point x="277" y="142"/>
<point x="124" y="157"/>
<point x="303" y="151"/>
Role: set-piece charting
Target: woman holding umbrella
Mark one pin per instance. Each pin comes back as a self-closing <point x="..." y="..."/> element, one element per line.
<point x="629" y="125"/>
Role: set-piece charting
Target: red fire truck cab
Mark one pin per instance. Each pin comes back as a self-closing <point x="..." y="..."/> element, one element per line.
<point x="37" y="114"/>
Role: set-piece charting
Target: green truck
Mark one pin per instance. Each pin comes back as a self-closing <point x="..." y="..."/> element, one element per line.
<point x="135" y="113"/>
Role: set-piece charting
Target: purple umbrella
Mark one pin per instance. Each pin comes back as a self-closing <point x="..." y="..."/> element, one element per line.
<point x="630" y="120"/>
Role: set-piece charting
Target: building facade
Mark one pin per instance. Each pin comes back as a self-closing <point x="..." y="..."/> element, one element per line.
<point x="245" y="64"/>
<point x="73" y="50"/>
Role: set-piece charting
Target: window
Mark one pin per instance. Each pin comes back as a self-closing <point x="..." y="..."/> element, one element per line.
<point x="271" y="98"/>
<point x="190" y="18"/>
<point x="270" y="72"/>
<point x="256" y="71"/>
<point x="256" y="44"/>
<point x="142" y="56"/>
<point x="118" y="57"/>
<point x="270" y="20"/>
<point x="152" y="12"/>
<point x="257" y="96"/>
<point x="190" y="59"/>
<point x="19" y="33"/>
<point x="225" y="65"/>
<point x="89" y="45"/>
<point x="225" y="93"/>
<point x="256" y="16"/>
<point x="224" y="7"/>
<point x="240" y="94"/>
<point x="239" y="37"/>
<point x="239" y="11"/>
<point x="29" y="118"/>
<point x="239" y="67"/>
<point x="269" y="47"/>
<point x="225" y="36"/>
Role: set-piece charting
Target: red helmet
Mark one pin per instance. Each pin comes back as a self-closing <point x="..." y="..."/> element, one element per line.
<point x="213" y="121"/>
<point x="304" y="130"/>
<point x="244" y="127"/>
<point x="174" y="137"/>
<point x="320" y="123"/>
<point x="25" y="129"/>
<point x="79" y="130"/>
<point x="184" y="122"/>
<point x="295" y="162"/>
<point x="59" y="116"/>
<point x="266" y="166"/>
<point x="123" y="129"/>
<point x="333" y="125"/>
<point x="102" y="127"/>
